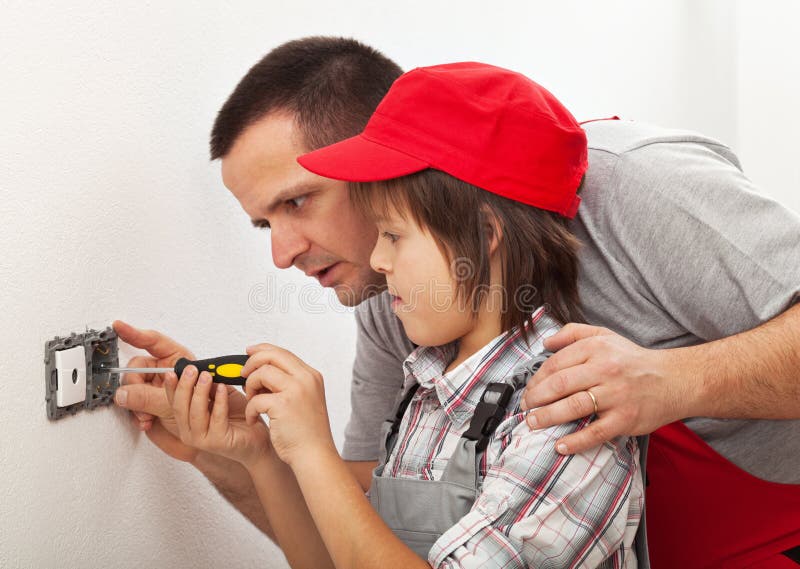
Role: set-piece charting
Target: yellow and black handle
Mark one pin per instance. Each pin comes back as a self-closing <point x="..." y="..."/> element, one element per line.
<point x="224" y="369"/>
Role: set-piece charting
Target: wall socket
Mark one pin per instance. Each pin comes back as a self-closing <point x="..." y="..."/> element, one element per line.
<point x="74" y="378"/>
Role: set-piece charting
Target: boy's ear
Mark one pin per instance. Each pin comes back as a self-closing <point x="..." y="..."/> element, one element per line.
<point x="492" y="228"/>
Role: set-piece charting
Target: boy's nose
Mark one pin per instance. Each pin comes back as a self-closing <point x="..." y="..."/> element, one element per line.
<point x="378" y="260"/>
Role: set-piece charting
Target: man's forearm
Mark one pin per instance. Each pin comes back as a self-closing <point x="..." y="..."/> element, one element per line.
<point x="233" y="481"/>
<point x="752" y="375"/>
<point x="287" y="514"/>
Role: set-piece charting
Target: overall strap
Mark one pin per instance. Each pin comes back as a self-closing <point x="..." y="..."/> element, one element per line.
<point x="463" y="467"/>
<point x="391" y="435"/>
<point x="489" y="413"/>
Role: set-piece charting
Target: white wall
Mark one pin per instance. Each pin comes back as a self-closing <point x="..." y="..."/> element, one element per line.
<point x="769" y="97"/>
<point x="110" y="209"/>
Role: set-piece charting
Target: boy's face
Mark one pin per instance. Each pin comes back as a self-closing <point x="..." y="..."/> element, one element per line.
<point x="419" y="276"/>
<point x="313" y="225"/>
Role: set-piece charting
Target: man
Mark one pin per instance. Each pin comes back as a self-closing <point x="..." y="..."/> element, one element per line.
<point x="679" y="255"/>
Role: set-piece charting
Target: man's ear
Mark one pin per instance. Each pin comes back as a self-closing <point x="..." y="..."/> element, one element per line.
<point x="492" y="228"/>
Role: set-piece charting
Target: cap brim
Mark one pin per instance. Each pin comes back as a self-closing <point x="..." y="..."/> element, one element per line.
<point x="358" y="159"/>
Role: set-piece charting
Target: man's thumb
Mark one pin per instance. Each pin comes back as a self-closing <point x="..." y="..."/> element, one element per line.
<point x="144" y="398"/>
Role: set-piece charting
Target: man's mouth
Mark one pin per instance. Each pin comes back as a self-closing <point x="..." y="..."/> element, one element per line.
<point x="324" y="275"/>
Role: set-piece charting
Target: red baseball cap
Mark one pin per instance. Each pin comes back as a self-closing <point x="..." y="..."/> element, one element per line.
<point x="487" y="126"/>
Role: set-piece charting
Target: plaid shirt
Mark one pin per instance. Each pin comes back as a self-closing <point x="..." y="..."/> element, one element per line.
<point x="535" y="508"/>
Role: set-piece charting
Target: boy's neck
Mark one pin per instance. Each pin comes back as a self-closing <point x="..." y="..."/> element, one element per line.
<point x="487" y="328"/>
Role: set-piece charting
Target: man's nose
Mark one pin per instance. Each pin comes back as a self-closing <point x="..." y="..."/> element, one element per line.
<point x="286" y="246"/>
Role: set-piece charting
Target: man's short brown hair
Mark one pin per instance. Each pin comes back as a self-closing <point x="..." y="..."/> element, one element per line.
<point x="330" y="85"/>
<point x="538" y="251"/>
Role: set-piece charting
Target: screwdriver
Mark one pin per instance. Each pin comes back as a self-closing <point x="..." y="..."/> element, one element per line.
<point x="223" y="369"/>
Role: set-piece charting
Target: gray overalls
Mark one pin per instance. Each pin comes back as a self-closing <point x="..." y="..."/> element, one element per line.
<point x="419" y="511"/>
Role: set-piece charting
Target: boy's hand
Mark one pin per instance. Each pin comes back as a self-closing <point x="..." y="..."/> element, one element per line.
<point x="293" y="395"/>
<point x="211" y="417"/>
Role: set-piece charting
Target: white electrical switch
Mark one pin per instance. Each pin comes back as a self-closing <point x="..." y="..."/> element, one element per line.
<point x="71" y="369"/>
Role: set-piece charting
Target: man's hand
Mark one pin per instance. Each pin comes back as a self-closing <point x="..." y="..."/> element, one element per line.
<point x="634" y="390"/>
<point x="292" y="394"/>
<point x="144" y="393"/>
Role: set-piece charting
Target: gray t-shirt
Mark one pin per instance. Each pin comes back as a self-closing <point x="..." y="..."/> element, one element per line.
<point x="678" y="248"/>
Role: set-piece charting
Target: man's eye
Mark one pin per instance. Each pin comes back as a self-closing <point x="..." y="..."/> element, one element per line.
<point x="390" y="236"/>
<point x="298" y="201"/>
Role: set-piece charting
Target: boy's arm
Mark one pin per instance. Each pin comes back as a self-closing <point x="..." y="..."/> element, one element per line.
<point x="292" y="393"/>
<point x="353" y="532"/>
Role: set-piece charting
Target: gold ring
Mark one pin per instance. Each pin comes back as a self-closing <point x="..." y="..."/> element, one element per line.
<point x="594" y="400"/>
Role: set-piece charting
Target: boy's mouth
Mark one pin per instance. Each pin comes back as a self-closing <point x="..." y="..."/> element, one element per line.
<point x="396" y="301"/>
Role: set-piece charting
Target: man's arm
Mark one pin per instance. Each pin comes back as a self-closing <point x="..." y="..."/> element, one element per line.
<point x="719" y="262"/>
<point x="234" y="483"/>
<point x="751" y="375"/>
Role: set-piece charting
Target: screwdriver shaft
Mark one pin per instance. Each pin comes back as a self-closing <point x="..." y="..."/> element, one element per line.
<point x="136" y="369"/>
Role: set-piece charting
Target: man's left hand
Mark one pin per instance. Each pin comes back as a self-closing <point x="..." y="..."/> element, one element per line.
<point x="635" y="389"/>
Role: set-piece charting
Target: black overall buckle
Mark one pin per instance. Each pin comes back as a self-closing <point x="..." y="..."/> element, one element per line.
<point x="488" y="414"/>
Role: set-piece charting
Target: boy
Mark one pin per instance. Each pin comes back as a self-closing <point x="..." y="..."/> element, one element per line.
<point x="464" y="481"/>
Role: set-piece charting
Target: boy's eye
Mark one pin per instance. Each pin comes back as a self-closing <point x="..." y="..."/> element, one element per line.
<point x="390" y="236"/>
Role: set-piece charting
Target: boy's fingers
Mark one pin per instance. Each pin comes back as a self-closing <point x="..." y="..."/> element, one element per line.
<point x="198" y="406"/>
<point x="170" y="384"/>
<point x="219" y="413"/>
<point x="257" y="405"/>
<point x="269" y="377"/>
<point x="275" y="356"/>
<point x="183" y="397"/>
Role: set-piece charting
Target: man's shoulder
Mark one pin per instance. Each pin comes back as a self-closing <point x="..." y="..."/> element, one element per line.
<point x="638" y="167"/>
<point x="618" y="137"/>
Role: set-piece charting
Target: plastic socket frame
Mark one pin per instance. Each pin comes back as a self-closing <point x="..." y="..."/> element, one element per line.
<point x="100" y="347"/>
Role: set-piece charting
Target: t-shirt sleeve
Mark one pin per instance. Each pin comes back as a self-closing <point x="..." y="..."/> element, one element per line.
<point x="718" y="256"/>
<point x="538" y="508"/>
<point x="381" y="348"/>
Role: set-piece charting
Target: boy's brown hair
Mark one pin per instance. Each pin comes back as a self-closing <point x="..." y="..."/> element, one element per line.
<point x="538" y="251"/>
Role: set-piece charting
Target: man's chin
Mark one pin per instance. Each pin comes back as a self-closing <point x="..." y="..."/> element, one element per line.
<point x="350" y="295"/>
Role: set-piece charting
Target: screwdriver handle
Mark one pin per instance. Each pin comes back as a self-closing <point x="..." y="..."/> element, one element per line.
<point x="224" y="369"/>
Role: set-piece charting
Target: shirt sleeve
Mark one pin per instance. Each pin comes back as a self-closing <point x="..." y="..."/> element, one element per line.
<point x="540" y="509"/>
<point x="381" y="348"/>
<point x="717" y="255"/>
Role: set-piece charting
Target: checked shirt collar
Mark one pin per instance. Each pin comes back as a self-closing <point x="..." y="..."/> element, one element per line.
<point x="460" y="389"/>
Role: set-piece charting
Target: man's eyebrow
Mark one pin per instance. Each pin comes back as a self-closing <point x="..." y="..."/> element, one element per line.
<point x="291" y="192"/>
<point x="284" y="195"/>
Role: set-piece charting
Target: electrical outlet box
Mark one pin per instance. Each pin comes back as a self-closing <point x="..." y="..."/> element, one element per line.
<point x="74" y="375"/>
